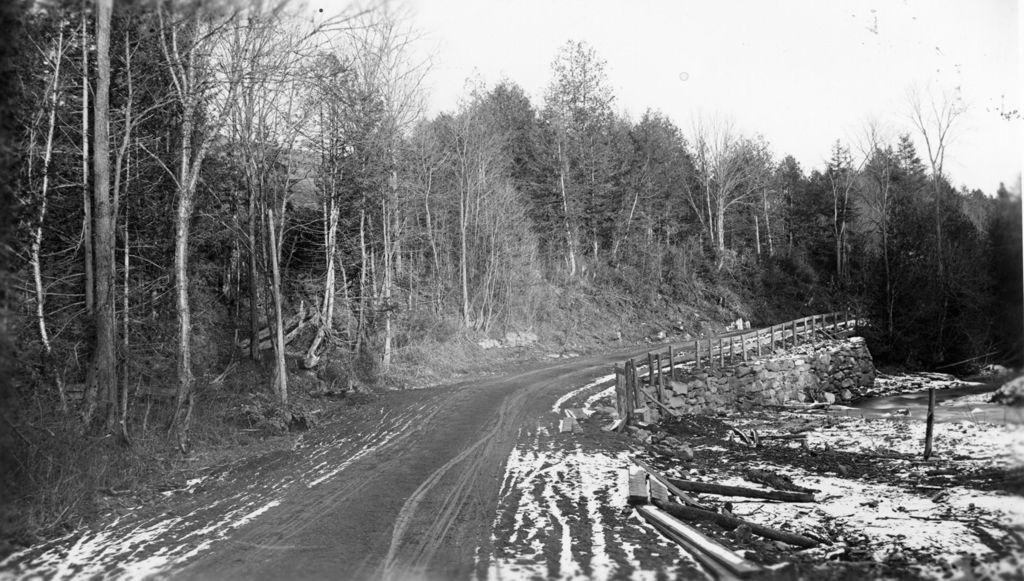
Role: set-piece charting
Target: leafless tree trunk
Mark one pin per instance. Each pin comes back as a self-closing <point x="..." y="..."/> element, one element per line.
<point x="86" y="198"/>
<point x="273" y="248"/>
<point x="934" y="120"/>
<point x="104" y="357"/>
<point x="37" y="234"/>
<point x="570" y="240"/>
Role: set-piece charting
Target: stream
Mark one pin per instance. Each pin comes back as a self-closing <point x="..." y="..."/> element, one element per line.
<point x="963" y="401"/>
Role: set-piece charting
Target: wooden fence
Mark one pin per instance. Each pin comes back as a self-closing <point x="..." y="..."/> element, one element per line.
<point x="718" y="351"/>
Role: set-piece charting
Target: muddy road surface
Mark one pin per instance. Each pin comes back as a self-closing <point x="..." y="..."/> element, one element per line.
<point x="409" y="490"/>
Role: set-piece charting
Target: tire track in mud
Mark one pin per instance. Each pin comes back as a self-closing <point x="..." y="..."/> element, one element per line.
<point x="416" y="493"/>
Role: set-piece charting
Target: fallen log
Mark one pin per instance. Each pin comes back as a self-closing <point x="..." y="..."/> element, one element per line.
<point x="773" y="480"/>
<point x="720" y="560"/>
<point x="731" y="522"/>
<point x="723" y="490"/>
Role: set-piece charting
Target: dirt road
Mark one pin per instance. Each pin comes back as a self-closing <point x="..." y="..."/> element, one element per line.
<point x="417" y="505"/>
<point x="410" y="490"/>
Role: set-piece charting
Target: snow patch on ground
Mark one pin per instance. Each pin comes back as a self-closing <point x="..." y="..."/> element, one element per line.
<point x="553" y="486"/>
<point x="557" y="408"/>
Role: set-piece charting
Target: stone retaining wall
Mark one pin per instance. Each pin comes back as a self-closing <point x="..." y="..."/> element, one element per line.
<point x="824" y="372"/>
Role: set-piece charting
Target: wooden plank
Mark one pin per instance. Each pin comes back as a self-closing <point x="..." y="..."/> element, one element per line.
<point x="637" y="487"/>
<point x="655" y="475"/>
<point x="658" y="490"/>
<point x="710" y="553"/>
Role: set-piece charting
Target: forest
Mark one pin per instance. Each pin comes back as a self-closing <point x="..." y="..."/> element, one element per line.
<point x="206" y="204"/>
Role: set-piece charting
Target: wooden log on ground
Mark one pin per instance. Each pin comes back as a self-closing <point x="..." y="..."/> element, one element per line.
<point x="774" y="480"/>
<point x="731" y="522"/>
<point x="722" y="562"/>
<point x="723" y="490"/>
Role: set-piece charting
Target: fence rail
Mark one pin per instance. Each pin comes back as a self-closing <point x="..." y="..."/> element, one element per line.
<point x="719" y="350"/>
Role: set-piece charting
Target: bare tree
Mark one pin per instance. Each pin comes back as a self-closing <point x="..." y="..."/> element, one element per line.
<point x="203" y="89"/>
<point x="55" y="57"/>
<point x="877" y="195"/>
<point x="934" y="116"/>
<point x="842" y="179"/>
<point x="730" y="169"/>
<point x="380" y="44"/>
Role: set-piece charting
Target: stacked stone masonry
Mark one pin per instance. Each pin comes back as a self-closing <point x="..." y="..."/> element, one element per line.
<point x="833" y="371"/>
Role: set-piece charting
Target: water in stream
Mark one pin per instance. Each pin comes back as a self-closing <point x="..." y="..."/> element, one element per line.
<point x="954" y="401"/>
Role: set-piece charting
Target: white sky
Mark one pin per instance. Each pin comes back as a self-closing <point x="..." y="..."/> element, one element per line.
<point x="800" y="72"/>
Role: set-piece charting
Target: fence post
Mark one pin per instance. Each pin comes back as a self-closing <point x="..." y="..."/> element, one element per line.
<point x="619" y="403"/>
<point x="758" y="335"/>
<point x="671" y="364"/>
<point x="711" y="355"/>
<point x="795" y="338"/>
<point x="650" y="369"/>
<point x="630" y="389"/>
<point x="721" y="353"/>
<point x="661" y="379"/>
<point x="696" y="354"/>
<point x="743" y="338"/>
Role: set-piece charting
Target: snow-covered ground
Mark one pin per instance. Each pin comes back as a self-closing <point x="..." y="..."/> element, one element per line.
<point x="562" y="514"/>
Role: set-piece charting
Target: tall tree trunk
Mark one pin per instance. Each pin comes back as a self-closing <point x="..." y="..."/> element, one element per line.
<point x="281" y="375"/>
<point x="388" y="227"/>
<point x="361" y="326"/>
<point x="104" y="357"/>
<point x="331" y="215"/>
<point x="254" y="289"/>
<point x="570" y="241"/>
<point x="757" y="235"/>
<point x="625" y="230"/>
<point x="182" y="224"/>
<point x="463" y="278"/>
<point x="90" y="300"/>
<point x="37" y="234"/>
